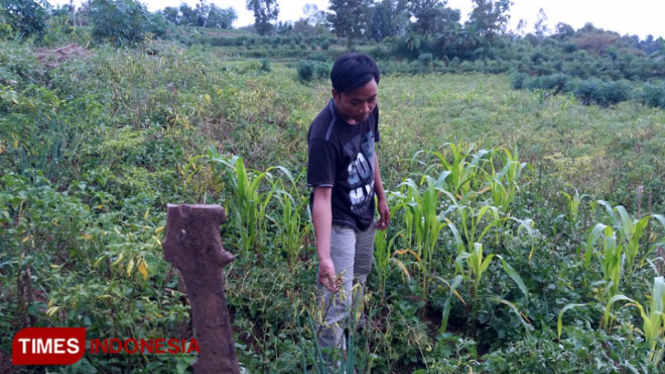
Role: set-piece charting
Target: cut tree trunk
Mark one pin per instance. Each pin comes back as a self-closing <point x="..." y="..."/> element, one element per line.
<point x="194" y="246"/>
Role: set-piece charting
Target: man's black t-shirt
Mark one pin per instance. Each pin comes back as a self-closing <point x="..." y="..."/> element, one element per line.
<point x="341" y="156"/>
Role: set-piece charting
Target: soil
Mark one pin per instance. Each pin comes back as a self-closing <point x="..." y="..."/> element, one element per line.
<point x="53" y="57"/>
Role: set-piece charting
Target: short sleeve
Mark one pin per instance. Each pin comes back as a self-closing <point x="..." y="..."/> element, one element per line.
<point x="321" y="166"/>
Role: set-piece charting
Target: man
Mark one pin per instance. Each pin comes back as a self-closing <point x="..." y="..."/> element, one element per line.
<point x="343" y="171"/>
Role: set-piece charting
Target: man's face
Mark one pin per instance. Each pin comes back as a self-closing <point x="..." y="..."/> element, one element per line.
<point x="357" y="105"/>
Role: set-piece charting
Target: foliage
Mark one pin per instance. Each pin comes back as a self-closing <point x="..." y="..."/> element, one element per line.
<point x="27" y="17"/>
<point x="348" y="19"/>
<point x="265" y="11"/>
<point x="310" y="70"/>
<point x="653" y="94"/>
<point x="122" y="22"/>
<point x="93" y="149"/>
<point x="490" y="17"/>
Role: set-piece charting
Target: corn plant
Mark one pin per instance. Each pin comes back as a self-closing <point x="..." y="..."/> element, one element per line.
<point x="574" y="202"/>
<point x="465" y="169"/>
<point x="611" y="255"/>
<point x="504" y="185"/>
<point x="559" y="323"/>
<point x="384" y="255"/>
<point x="471" y="225"/>
<point x="250" y="214"/>
<point x="477" y="265"/>
<point x="422" y="219"/>
<point x="289" y="219"/>
<point x="630" y="232"/>
<point x="652" y="319"/>
<point x="445" y="314"/>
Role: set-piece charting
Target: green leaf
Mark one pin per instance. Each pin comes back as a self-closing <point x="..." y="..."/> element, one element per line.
<point x="559" y="324"/>
<point x="514" y="276"/>
<point x="595" y="234"/>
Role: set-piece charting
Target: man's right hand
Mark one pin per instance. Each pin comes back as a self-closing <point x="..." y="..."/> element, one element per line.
<point x="327" y="274"/>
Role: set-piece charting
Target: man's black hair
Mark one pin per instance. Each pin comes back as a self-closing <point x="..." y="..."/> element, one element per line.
<point x="353" y="70"/>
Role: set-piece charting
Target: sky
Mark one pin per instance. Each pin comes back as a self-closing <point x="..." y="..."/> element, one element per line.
<point x="633" y="17"/>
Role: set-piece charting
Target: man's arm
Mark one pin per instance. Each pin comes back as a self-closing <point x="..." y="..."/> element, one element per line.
<point x="322" y="220"/>
<point x="384" y="212"/>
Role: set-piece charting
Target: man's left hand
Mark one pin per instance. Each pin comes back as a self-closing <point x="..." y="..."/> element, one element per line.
<point x="384" y="215"/>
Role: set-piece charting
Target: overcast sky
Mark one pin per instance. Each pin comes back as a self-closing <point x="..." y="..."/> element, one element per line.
<point x="634" y="17"/>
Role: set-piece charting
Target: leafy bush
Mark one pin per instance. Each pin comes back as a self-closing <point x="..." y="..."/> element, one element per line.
<point x="653" y="94"/>
<point x="305" y="71"/>
<point x="425" y="59"/>
<point x="124" y="22"/>
<point x="265" y="65"/>
<point x="517" y="80"/>
<point x="595" y="91"/>
<point x="309" y="70"/>
<point x="28" y="17"/>
<point x="554" y="82"/>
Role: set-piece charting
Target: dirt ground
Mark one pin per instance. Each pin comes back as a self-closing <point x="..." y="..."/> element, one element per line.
<point x="52" y="57"/>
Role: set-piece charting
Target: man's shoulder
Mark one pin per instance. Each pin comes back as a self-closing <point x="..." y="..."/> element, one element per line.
<point x="322" y="123"/>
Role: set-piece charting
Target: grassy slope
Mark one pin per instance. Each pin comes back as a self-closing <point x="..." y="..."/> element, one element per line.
<point x="144" y="117"/>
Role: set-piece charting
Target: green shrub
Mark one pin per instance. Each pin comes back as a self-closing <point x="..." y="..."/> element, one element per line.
<point x="325" y="45"/>
<point x="517" y="80"/>
<point x="554" y="82"/>
<point x="265" y="65"/>
<point x="653" y="94"/>
<point x="570" y="47"/>
<point x="120" y="22"/>
<point x="595" y="91"/>
<point x="309" y="70"/>
<point x="454" y="63"/>
<point x="305" y="70"/>
<point x="425" y="59"/>
<point x="27" y="17"/>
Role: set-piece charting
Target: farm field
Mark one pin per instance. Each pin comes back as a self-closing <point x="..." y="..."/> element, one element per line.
<point x="527" y="231"/>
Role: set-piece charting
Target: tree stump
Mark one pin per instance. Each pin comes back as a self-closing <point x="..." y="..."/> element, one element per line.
<point x="194" y="246"/>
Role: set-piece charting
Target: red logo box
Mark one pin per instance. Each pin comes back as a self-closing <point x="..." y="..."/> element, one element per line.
<point x="48" y="346"/>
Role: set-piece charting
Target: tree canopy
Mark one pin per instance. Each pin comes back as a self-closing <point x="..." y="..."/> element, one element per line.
<point x="265" y="12"/>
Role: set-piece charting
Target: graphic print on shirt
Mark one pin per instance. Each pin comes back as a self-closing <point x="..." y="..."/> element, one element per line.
<point x="361" y="172"/>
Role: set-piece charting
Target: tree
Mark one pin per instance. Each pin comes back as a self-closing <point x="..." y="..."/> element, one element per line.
<point x="119" y="21"/>
<point x="389" y="18"/>
<point x="28" y="17"/>
<point x="433" y="16"/>
<point x="348" y="18"/>
<point x="171" y="14"/>
<point x="201" y="11"/>
<point x="188" y="15"/>
<point x="221" y="18"/>
<point x="564" y="30"/>
<point x="265" y="11"/>
<point x="123" y="22"/>
<point x="540" y="27"/>
<point x="489" y="18"/>
<point x="313" y="16"/>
